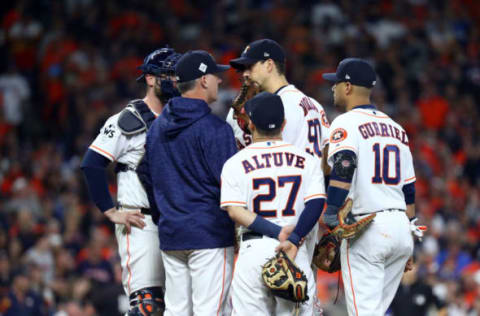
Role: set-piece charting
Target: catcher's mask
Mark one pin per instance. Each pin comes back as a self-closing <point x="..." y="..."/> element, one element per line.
<point x="159" y="62"/>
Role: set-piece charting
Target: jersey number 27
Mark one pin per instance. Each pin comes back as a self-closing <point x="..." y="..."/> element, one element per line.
<point x="272" y="193"/>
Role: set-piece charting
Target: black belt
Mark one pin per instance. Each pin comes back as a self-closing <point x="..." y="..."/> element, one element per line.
<point x="251" y="235"/>
<point x="145" y="211"/>
<point x="121" y="167"/>
<point x="386" y="210"/>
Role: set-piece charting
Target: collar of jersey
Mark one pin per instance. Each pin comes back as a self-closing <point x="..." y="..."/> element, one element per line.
<point x="268" y="144"/>
<point x="281" y="88"/>
<point x="364" y="106"/>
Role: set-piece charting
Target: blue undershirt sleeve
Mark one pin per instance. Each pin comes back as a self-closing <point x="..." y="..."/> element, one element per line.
<point x="409" y="193"/>
<point x="262" y="226"/>
<point x="94" y="170"/>
<point x="308" y="218"/>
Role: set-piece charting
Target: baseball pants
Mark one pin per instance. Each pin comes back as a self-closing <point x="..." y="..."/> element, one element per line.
<point x="140" y="256"/>
<point x="249" y="294"/>
<point x="373" y="264"/>
<point x="197" y="281"/>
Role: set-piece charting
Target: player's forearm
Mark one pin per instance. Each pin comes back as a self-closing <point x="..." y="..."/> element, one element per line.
<point x="93" y="167"/>
<point x="252" y="221"/>
<point x="411" y="210"/>
<point x="308" y="219"/>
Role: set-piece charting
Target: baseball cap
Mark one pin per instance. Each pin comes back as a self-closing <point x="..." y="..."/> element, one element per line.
<point x="354" y="70"/>
<point x="153" y="64"/>
<point x="259" y="50"/>
<point x="197" y="63"/>
<point x="266" y="111"/>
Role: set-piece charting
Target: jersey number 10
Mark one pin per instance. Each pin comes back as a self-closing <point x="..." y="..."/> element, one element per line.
<point x="382" y="166"/>
<point x="272" y="193"/>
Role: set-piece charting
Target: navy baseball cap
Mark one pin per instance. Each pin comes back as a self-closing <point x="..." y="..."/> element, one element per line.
<point x="354" y="70"/>
<point x="266" y="111"/>
<point x="153" y="64"/>
<point x="197" y="63"/>
<point x="259" y="50"/>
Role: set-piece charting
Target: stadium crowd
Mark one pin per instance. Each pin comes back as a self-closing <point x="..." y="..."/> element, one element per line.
<point x="65" y="66"/>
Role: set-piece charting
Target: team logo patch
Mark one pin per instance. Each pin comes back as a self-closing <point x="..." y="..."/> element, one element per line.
<point x="338" y="135"/>
<point x="202" y="67"/>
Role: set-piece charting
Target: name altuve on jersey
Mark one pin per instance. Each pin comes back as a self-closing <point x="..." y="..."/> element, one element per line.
<point x="372" y="129"/>
<point x="277" y="159"/>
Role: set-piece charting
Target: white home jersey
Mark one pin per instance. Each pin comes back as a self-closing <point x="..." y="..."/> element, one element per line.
<point x="306" y="127"/>
<point x="114" y="145"/>
<point x="384" y="160"/>
<point x="273" y="179"/>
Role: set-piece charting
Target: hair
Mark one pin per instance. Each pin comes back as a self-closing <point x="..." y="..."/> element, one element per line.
<point x="186" y="86"/>
<point x="271" y="133"/>
<point x="363" y="91"/>
<point x="280" y="67"/>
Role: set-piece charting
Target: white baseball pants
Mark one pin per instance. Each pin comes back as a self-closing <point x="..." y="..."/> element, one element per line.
<point x="140" y="257"/>
<point x="373" y="264"/>
<point x="250" y="296"/>
<point x="197" y="281"/>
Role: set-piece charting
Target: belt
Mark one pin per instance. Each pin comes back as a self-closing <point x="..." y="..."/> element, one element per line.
<point x="380" y="211"/>
<point x="145" y="211"/>
<point x="251" y="235"/>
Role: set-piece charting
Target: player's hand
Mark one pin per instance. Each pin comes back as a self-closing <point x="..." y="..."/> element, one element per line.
<point x="409" y="265"/>
<point x="289" y="248"/>
<point x="331" y="221"/>
<point x="417" y="230"/>
<point x="127" y="218"/>
<point x="285" y="232"/>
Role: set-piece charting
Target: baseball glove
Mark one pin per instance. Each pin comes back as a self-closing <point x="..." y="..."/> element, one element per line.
<point x="248" y="90"/>
<point x="285" y="279"/>
<point x="326" y="256"/>
<point x="348" y="227"/>
<point x="327" y="252"/>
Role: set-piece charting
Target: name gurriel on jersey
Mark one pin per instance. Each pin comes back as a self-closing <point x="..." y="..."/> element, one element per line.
<point x="372" y="129"/>
<point x="277" y="159"/>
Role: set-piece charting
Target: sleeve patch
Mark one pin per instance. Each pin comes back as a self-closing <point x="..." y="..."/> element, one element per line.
<point x="338" y="135"/>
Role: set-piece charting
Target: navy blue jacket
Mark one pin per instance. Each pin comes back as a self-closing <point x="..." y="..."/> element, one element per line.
<point x="186" y="148"/>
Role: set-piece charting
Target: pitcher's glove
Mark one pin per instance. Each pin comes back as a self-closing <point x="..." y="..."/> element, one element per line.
<point x="326" y="256"/>
<point x="248" y="90"/>
<point x="285" y="279"/>
<point x="347" y="227"/>
<point x="327" y="252"/>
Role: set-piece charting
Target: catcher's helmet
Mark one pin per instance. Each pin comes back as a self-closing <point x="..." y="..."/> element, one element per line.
<point x="161" y="61"/>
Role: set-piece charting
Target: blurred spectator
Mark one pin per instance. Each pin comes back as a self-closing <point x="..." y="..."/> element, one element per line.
<point x="416" y="297"/>
<point x="21" y="300"/>
<point x="65" y="66"/>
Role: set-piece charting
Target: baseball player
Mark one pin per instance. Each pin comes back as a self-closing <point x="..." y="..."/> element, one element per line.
<point x="267" y="186"/>
<point x="122" y="139"/>
<point x="263" y="63"/>
<point x="371" y="161"/>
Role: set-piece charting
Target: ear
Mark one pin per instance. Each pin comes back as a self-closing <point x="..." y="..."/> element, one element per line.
<point x="150" y="79"/>
<point x="348" y="88"/>
<point x="204" y="82"/>
<point x="270" y="65"/>
<point x="251" y="126"/>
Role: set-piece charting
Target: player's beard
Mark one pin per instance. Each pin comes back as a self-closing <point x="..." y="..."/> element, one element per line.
<point x="339" y="102"/>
